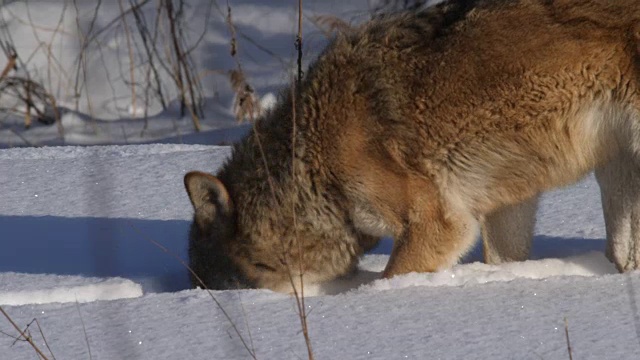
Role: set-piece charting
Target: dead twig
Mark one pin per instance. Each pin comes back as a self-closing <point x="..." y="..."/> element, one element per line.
<point x="245" y="104"/>
<point x="299" y="45"/>
<point x="251" y="351"/>
<point x="11" y="64"/>
<point x="149" y="42"/>
<point x="24" y="89"/>
<point x="44" y="338"/>
<point x="34" y="97"/>
<point x="132" y="64"/>
<point x="23" y="335"/>
<point x="386" y="6"/>
<point x="182" y="71"/>
<point x="566" y="334"/>
<point x="297" y="98"/>
<point x="331" y="25"/>
<point x="84" y="330"/>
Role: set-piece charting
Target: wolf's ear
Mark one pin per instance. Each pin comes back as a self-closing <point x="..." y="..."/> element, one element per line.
<point x="208" y="196"/>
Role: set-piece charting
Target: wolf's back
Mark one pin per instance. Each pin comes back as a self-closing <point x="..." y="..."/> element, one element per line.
<point x="604" y="13"/>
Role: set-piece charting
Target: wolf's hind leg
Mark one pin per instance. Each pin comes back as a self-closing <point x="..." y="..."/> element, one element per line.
<point x="619" y="182"/>
<point x="508" y="231"/>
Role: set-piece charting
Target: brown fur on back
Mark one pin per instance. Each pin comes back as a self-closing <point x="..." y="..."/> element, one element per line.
<point x="419" y="126"/>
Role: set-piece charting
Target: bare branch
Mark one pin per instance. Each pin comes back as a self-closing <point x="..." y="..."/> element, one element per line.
<point x="22" y="334"/>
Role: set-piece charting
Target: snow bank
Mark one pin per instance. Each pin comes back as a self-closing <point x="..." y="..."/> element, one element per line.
<point x="85" y="238"/>
<point x="21" y="289"/>
<point x="591" y="264"/>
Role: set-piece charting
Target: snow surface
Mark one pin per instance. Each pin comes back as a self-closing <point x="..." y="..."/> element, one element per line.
<point x="91" y="236"/>
<point x="86" y="236"/>
<point x="20" y="289"/>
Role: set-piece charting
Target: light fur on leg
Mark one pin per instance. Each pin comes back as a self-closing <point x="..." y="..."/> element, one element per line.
<point x="508" y="231"/>
<point x="620" y="191"/>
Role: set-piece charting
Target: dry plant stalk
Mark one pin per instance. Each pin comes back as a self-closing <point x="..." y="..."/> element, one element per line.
<point x="300" y="299"/>
<point x="28" y="101"/>
<point x="385" y="6"/>
<point x="299" y="296"/>
<point x="182" y="70"/>
<point x="30" y="94"/>
<point x="245" y="104"/>
<point x="84" y="41"/>
<point x="177" y="63"/>
<point x="25" y="90"/>
<point x="51" y="60"/>
<point x="11" y="65"/>
<point x="149" y="43"/>
<point x="251" y="350"/>
<point x="84" y="330"/>
<point x="566" y="334"/>
<point x="44" y="338"/>
<point x="331" y="25"/>
<point x="23" y="335"/>
<point x="131" y="59"/>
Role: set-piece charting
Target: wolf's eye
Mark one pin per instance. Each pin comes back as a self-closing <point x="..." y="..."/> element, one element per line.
<point x="264" y="267"/>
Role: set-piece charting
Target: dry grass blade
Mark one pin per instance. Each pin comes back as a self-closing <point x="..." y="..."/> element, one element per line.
<point x="385" y="6"/>
<point x="566" y="334"/>
<point x="24" y="139"/>
<point x="232" y="31"/>
<point x="330" y="25"/>
<point x="23" y="88"/>
<point x="44" y="338"/>
<point x="237" y="80"/>
<point x="131" y="59"/>
<point x="84" y="330"/>
<point x="246" y="37"/>
<point x="22" y="334"/>
<point x="182" y="71"/>
<point x="246" y="104"/>
<point x="251" y="351"/>
<point x="81" y="68"/>
<point x="246" y="322"/>
<point x="33" y="96"/>
<point x="11" y="64"/>
<point x="177" y="73"/>
<point x="299" y="44"/>
<point x="28" y="335"/>
<point x="300" y="298"/>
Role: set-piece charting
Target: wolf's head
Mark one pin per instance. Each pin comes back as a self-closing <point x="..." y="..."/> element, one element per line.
<point x="218" y="253"/>
<point x="233" y="247"/>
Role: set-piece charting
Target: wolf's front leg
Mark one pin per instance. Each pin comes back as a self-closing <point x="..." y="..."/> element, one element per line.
<point x="507" y="232"/>
<point x="434" y="238"/>
<point x="620" y="191"/>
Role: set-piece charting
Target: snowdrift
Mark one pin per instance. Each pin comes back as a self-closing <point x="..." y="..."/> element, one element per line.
<point x="77" y="225"/>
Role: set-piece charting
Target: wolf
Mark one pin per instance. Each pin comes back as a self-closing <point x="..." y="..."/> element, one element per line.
<point x="430" y="127"/>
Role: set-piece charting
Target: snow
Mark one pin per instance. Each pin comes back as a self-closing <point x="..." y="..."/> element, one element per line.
<point x="102" y="111"/>
<point x="92" y="237"/>
<point x="85" y="239"/>
<point x="21" y="289"/>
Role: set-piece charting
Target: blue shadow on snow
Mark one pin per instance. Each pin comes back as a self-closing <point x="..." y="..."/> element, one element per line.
<point x="106" y="247"/>
<point x="99" y="247"/>
<point x="543" y="247"/>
